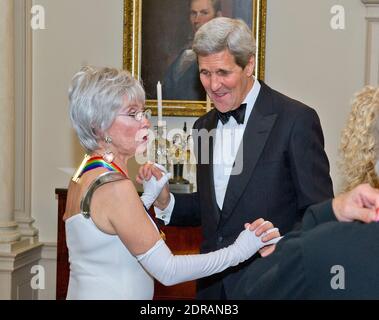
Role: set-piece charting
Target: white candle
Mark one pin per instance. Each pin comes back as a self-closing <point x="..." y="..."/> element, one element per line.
<point x="159" y="98"/>
<point x="208" y="104"/>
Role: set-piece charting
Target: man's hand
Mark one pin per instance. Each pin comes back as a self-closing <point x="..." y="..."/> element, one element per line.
<point x="261" y="227"/>
<point x="361" y="203"/>
<point x="156" y="191"/>
<point x="148" y="170"/>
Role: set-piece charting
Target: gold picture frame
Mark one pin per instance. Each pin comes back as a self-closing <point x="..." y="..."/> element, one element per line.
<point x="132" y="43"/>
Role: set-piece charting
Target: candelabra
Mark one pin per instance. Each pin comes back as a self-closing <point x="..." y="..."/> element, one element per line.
<point x="178" y="155"/>
<point x="161" y="145"/>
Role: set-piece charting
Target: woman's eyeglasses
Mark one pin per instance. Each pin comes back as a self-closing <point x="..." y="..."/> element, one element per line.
<point x="139" y="115"/>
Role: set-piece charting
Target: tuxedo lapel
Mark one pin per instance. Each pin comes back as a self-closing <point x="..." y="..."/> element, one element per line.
<point x="260" y="123"/>
<point x="205" y="162"/>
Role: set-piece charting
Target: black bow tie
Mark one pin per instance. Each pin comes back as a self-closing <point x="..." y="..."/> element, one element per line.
<point x="238" y="114"/>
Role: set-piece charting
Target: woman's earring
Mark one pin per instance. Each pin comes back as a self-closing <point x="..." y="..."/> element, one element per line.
<point x="108" y="155"/>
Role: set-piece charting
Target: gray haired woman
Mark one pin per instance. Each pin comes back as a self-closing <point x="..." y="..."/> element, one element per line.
<point x="115" y="249"/>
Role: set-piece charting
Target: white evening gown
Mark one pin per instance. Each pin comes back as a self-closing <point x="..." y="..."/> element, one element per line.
<point x="101" y="267"/>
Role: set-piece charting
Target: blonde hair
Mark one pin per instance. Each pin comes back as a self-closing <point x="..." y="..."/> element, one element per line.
<point x="359" y="141"/>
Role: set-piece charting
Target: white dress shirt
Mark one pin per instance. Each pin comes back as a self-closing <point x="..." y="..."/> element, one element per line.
<point x="227" y="142"/>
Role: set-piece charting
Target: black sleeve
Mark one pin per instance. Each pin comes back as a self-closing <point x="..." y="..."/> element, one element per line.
<point x="318" y="214"/>
<point x="283" y="274"/>
<point x="186" y="210"/>
<point x="278" y="276"/>
<point x="309" y="162"/>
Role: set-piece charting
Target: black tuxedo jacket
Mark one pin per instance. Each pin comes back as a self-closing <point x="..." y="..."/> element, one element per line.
<point x="325" y="260"/>
<point x="285" y="169"/>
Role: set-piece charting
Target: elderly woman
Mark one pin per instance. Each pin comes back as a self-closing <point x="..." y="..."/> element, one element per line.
<point x="115" y="248"/>
<point x="359" y="140"/>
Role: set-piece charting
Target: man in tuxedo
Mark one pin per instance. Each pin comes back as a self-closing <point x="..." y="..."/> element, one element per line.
<point x="259" y="153"/>
<point x="327" y="259"/>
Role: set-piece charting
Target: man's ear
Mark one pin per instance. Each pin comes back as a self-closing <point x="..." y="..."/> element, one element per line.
<point x="250" y="67"/>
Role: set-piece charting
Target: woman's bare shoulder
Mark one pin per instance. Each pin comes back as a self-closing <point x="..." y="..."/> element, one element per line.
<point x="115" y="197"/>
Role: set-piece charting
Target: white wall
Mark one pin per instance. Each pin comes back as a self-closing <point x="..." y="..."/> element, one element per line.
<point x="305" y="59"/>
<point x="77" y="32"/>
<point x="309" y="61"/>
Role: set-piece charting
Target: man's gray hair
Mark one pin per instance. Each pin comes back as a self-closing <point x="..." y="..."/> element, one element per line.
<point x="96" y="95"/>
<point x="225" y="33"/>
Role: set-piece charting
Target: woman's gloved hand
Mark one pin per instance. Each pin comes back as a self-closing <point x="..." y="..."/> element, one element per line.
<point x="153" y="187"/>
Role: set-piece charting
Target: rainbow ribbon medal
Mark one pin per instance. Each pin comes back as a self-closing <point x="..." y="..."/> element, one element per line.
<point x="90" y="163"/>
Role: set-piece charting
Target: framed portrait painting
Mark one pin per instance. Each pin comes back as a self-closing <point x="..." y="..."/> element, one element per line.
<point x="158" y="37"/>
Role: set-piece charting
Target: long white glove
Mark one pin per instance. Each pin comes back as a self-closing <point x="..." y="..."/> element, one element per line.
<point x="169" y="269"/>
<point x="153" y="187"/>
